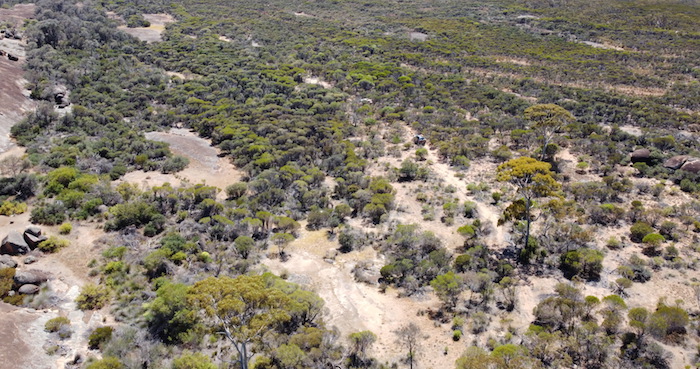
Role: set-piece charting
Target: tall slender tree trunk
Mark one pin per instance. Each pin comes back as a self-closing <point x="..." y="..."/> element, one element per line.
<point x="244" y="356"/>
<point x="527" y="220"/>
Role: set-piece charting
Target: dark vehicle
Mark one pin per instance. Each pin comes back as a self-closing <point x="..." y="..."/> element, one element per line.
<point x="419" y="140"/>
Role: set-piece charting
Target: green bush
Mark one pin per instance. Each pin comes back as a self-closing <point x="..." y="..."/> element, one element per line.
<point x="12" y="208"/>
<point x="456" y="335"/>
<point x="584" y="263"/>
<point x="653" y="239"/>
<point x="236" y="190"/>
<point x="65" y="228"/>
<point x="193" y="361"/>
<point x="99" y="336"/>
<point x="639" y="230"/>
<point x="6" y="280"/>
<point x="106" y="363"/>
<point x="55" y="324"/>
<point x="668" y="322"/>
<point x="92" y="297"/>
<point x="174" y="164"/>
<point x="53" y="244"/>
<point x="50" y="213"/>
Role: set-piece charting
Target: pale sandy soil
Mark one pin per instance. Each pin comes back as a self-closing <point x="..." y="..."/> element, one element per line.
<point x="354" y="307"/>
<point x="302" y="14"/>
<point x="153" y="32"/>
<point x="14" y="98"/>
<point x="443" y="175"/>
<point x="68" y="271"/>
<point x="146" y="180"/>
<point x="602" y="45"/>
<point x="317" y="81"/>
<point x="183" y="76"/>
<point x="205" y="164"/>
<point x="17" y="14"/>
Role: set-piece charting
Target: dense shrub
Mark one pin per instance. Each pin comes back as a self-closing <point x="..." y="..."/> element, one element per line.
<point x="639" y="230"/>
<point x="99" y="336"/>
<point x="12" y="208"/>
<point x="53" y="244"/>
<point x="53" y="325"/>
<point x="92" y="297"/>
<point x="106" y="363"/>
<point x="193" y="361"/>
<point x="65" y="228"/>
<point x="584" y="263"/>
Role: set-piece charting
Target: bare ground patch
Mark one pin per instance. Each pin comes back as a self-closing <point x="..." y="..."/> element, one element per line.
<point x="205" y="164"/>
<point x="68" y="271"/>
<point x="14" y="98"/>
<point x="353" y="306"/>
<point x="17" y="14"/>
<point x="153" y="32"/>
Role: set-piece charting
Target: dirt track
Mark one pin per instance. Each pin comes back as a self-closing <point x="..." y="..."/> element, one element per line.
<point x="14" y="98"/>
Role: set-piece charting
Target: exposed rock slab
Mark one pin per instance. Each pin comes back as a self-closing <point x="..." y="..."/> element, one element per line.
<point x="31" y="276"/>
<point x="7" y="262"/>
<point x="640" y="155"/>
<point x="676" y="162"/>
<point x="691" y="166"/>
<point x="14" y="244"/>
<point x="28" y="289"/>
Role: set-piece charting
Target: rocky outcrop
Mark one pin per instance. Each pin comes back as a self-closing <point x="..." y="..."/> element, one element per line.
<point x="691" y="166"/>
<point x="14" y="244"/>
<point x="21" y="243"/>
<point x="31" y="276"/>
<point x="640" y="155"/>
<point x="33" y="230"/>
<point x="7" y="262"/>
<point x="33" y="241"/>
<point x="31" y="259"/>
<point x="676" y="162"/>
<point x="28" y="289"/>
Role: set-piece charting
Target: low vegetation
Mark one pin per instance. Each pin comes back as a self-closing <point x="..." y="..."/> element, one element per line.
<point x="529" y="112"/>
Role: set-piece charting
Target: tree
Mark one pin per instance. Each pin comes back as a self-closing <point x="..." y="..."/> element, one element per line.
<point x="282" y="240"/>
<point x="638" y="319"/>
<point x="474" y="358"/>
<point x="509" y="289"/>
<point x="244" y="245"/>
<point x="361" y="342"/>
<point x="169" y="315"/>
<point x="546" y="120"/>
<point x="244" y="308"/>
<point x="668" y="322"/>
<point x="447" y="287"/>
<point x="407" y="336"/>
<point x="585" y="263"/>
<point x="532" y="178"/>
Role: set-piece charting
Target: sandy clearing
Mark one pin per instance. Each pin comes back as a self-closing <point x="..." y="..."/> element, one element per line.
<point x="17" y="14"/>
<point x="302" y="14"/>
<point x="23" y="328"/>
<point x="205" y="164"/>
<point x="153" y="32"/>
<point x="317" y="81"/>
<point x="14" y="98"/>
<point x="599" y="45"/>
<point x="353" y="307"/>
<point x="68" y="272"/>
